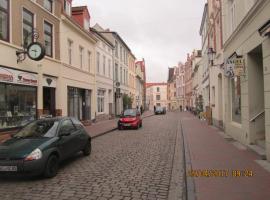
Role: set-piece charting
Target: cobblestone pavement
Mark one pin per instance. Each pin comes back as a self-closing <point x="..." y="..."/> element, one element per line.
<point x="128" y="164"/>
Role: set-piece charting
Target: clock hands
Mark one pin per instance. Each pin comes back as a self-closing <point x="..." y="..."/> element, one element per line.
<point x="35" y="51"/>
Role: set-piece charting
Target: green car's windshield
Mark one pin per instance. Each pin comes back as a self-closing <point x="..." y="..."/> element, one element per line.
<point x="39" y="128"/>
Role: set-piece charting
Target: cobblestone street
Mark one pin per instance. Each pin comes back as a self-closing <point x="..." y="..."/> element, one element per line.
<point x="128" y="164"/>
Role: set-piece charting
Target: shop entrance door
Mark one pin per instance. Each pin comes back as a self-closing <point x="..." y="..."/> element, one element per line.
<point x="49" y="101"/>
<point x="256" y="97"/>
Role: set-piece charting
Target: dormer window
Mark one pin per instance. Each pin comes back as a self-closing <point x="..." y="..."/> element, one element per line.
<point x="86" y="24"/>
<point x="67" y="7"/>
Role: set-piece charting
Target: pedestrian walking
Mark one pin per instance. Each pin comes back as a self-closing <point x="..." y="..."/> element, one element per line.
<point x="154" y="108"/>
<point x="141" y="108"/>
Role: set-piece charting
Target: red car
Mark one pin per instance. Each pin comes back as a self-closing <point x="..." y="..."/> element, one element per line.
<point x="131" y="118"/>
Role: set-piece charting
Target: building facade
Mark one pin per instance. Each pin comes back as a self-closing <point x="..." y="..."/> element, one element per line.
<point x="196" y="80"/>
<point x="78" y="83"/>
<point x="120" y="65"/>
<point x="180" y="85"/>
<point x="140" y="84"/>
<point x="204" y="60"/>
<point x="188" y="82"/>
<point x="215" y="37"/>
<point x="28" y="88"/>
<point x="171" y="83"/>
<point x="246" y="76"/>
<point x="132" y="78"/>
<point x="104" y="75"/>
<point x="157" y="93"/>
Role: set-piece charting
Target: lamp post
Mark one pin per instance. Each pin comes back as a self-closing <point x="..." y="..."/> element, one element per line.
<point x="211" y="55"/>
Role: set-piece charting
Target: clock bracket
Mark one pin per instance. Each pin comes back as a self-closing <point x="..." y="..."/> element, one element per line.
<point x="21" y="54"/>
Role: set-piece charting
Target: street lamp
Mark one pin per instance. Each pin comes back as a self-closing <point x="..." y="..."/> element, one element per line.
<point x="211" y="55"/>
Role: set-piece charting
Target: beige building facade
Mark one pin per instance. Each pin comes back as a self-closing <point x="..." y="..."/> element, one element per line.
<point x="157" y="95"/>
<point x="247" y="94"/>
<point x="28" y="88"/>
<point x="77" y="81"/>
<point x="215" y="38"/>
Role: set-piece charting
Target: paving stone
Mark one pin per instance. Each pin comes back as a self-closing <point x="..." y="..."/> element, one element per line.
<point x="128" y="164"/>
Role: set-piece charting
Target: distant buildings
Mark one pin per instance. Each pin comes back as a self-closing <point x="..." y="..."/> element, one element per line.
<point x="227" y="81"/>
<point x="157" y="95"/>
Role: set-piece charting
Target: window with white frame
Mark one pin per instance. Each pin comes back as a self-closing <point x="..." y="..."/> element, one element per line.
<point x="89" y="61"/>
<point x="121" y="75"/>
<point x="86" y="24"/>
<point x="104" y="65"/>
<point x="116" y="49"/>
<point x="109" y="68"/>
<point x="124" y="76"/>
<point x="236" y="99"/>
<point x="116" y="72"/>
<point x="232" y="15"/>
<point x="121" y="55"/>
<point x="81" y="49"/>
<point x="158" y="89"/>
<point x="67" y="7"/>
<point x="100" y="100"/>
<point x="98" y="62"/>
<point x="70" y="43"/>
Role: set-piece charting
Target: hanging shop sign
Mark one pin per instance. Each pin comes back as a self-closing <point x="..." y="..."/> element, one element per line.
<point x="239" y="66"/>
<point x="234" y="66"/>
<point x="228" y="68"/>
<point x="48" y="81"/>
<point x="18" y="77"/>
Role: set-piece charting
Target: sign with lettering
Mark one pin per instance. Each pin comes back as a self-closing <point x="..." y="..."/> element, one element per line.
<point x="18" y="77"/>
<point x="239" y="65"/>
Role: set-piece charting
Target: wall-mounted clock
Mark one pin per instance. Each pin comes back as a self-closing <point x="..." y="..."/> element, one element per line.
<point x="36" y="51"/>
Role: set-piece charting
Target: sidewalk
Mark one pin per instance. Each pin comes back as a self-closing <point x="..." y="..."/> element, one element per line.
<point x="208" y="150"/>
<point x="103" y="127"/>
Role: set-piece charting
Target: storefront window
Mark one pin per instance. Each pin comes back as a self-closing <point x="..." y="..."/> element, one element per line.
<point x="236" y="99"/>
<point x="17" y="105"/>
<point x="100" y="100"/>
<point x="79" y="103"/>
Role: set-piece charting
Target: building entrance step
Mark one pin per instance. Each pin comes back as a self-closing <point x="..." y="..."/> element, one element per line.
<point x="259" y="150"/>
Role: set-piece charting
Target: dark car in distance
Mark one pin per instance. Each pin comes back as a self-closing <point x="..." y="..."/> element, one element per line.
<point x="40" y="146"/>
<point x="131" y="118"/>
<point x="159" y="110"/>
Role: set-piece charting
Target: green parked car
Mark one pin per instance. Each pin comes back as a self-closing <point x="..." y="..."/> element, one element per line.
<point x="40" y="146"/>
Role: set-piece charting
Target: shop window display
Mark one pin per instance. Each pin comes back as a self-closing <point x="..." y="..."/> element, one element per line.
<point x="17" y="105"/>
<point x="236" y="99"/>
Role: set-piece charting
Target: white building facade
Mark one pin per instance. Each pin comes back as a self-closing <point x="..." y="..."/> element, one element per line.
<point x="104" y="75"/>
<point x="247" y="92"/>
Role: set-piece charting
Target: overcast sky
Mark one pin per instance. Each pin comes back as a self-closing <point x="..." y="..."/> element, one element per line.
<point x="160" y="31"/>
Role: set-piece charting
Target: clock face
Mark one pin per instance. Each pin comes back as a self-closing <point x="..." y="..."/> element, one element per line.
<point x="35" y="51"/>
